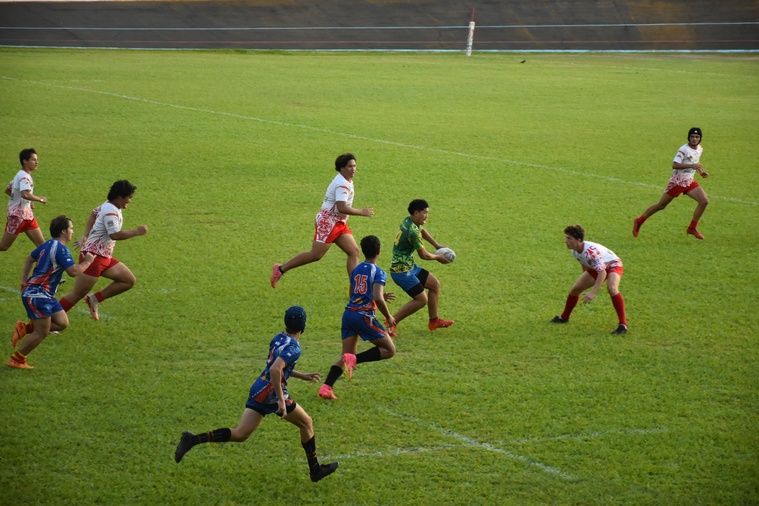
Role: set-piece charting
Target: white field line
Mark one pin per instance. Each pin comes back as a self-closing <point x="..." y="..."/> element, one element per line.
<point x="486" y="446"/>
<point x="363" y="138"/>
<point x="468" y="442"/>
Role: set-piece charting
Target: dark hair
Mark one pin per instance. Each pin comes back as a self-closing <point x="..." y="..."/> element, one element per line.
<point x="295" y="319"/>
<point x="342" y="160"/>
<point x="370" y="246"/>
<point x="121" y="188"/>
<point x="25" y="155"/>
<point x="58" y="225"/>
<point x="417" y="205"/>
<point x="697" y="131"/>
<point x="575" y="231"/>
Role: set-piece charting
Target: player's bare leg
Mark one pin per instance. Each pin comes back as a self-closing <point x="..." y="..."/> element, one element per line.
<point x="7" y="241"/>
<point x="249" y="422"/>
<point x="35" y="235"/>
<point x="347" y="243"/>
<point x="699" y="195"/>
<point x="82" y="286"/>
<point x="318" y="250"/>
<point x="664" y="201"/>
<point x="122" y="280"/>
<point x="411" y="307"/>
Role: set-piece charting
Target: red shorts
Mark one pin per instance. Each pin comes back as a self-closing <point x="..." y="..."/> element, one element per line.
<point x="16" y="224"/>
<point x="338" y="229"/>
<point x="674" y="190"/>
<point x="618" y="269"/>
<point x="99" y="265"/>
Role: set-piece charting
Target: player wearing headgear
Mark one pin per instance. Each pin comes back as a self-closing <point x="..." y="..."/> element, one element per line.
<point x="685" y="165"/>
<point x="268" y="395"/>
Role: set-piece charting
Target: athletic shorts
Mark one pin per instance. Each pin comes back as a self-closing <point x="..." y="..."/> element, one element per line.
<point x="674" y="190"/>
<point x="412" y="282"/>
<point x="99" y="265"/>
<point x="619" y="269"/>
<point x="267" y="409"/>
<point x="363" y="324"/>
<point x="40" y="306"/>
<point x="328" y="231"/>
<point x="16" y="224"/>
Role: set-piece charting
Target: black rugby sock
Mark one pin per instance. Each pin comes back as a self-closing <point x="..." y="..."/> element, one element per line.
<point x="216" y="436"/>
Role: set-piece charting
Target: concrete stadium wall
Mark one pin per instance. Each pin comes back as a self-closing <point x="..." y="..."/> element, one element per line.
<point x="386" y="24"/>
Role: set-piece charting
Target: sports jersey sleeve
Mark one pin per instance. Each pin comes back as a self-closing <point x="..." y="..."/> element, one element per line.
<point x="25" y="184"/>
<point x="112" y="222"/>
<point x="289" y="353"/>
<point x="415" y="238"/>
<point x="63" y="257"/>
<point x="343" y="193"/>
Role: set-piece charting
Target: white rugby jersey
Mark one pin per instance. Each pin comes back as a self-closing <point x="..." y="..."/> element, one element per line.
<point x="686" y="154"/>
<point x="18" y="205"/>
<point x="596" y="257"/>
<point x="339" y="190"/>
<point x="108" y="222"/>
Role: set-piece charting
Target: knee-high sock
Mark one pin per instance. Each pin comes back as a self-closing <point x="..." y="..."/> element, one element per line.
<point x="619" y="306"/>
<point x="570" y="305"/>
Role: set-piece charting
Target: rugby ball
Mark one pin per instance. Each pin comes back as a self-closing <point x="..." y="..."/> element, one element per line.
<point x="448" y="253"/>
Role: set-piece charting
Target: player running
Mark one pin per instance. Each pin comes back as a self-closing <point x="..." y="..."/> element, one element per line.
<point x="268" y="395"/>
<point x="685" y="165"/>
<point x="331" y="222"/>
<point x="20" y="216"/>
<point x="38" y="291"/>
<point x="102" y="231"/>
<point x="359" y="317"/>
<point x="409" y="276"/>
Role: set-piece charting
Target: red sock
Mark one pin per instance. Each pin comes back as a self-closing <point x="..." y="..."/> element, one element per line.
<point x="641" y="219"/>
<point x="99" y="296"/>
<point x="65" y="304"/>
<point x="569" y="306"/>
<point x="619" y="306"/>
<point x="18" y="357"/>
<point x="693" y="224"/>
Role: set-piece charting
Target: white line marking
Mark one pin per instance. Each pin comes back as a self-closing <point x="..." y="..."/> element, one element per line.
<point x="486" y="446"/>
<point x="368" y="139"/>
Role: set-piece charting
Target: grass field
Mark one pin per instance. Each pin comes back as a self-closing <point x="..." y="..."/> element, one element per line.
<point x="231" y="153"/>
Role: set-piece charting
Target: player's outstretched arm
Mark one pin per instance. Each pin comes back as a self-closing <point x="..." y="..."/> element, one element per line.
<point x="123" y="235"/>
<point x="311" y="377"/>
<point x="344" y="208"/>
<point x="79" y="268"/>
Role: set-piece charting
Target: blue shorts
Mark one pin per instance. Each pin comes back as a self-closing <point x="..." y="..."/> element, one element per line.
<point x="40" y="306"/>
<point x="263" y="399"/>
<point x="362" y="323"/>
<point x="412" y="282"/>
<point x="268" y="408"/>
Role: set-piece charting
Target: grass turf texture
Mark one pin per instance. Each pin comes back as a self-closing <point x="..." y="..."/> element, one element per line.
<point x="231" y="153"/>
